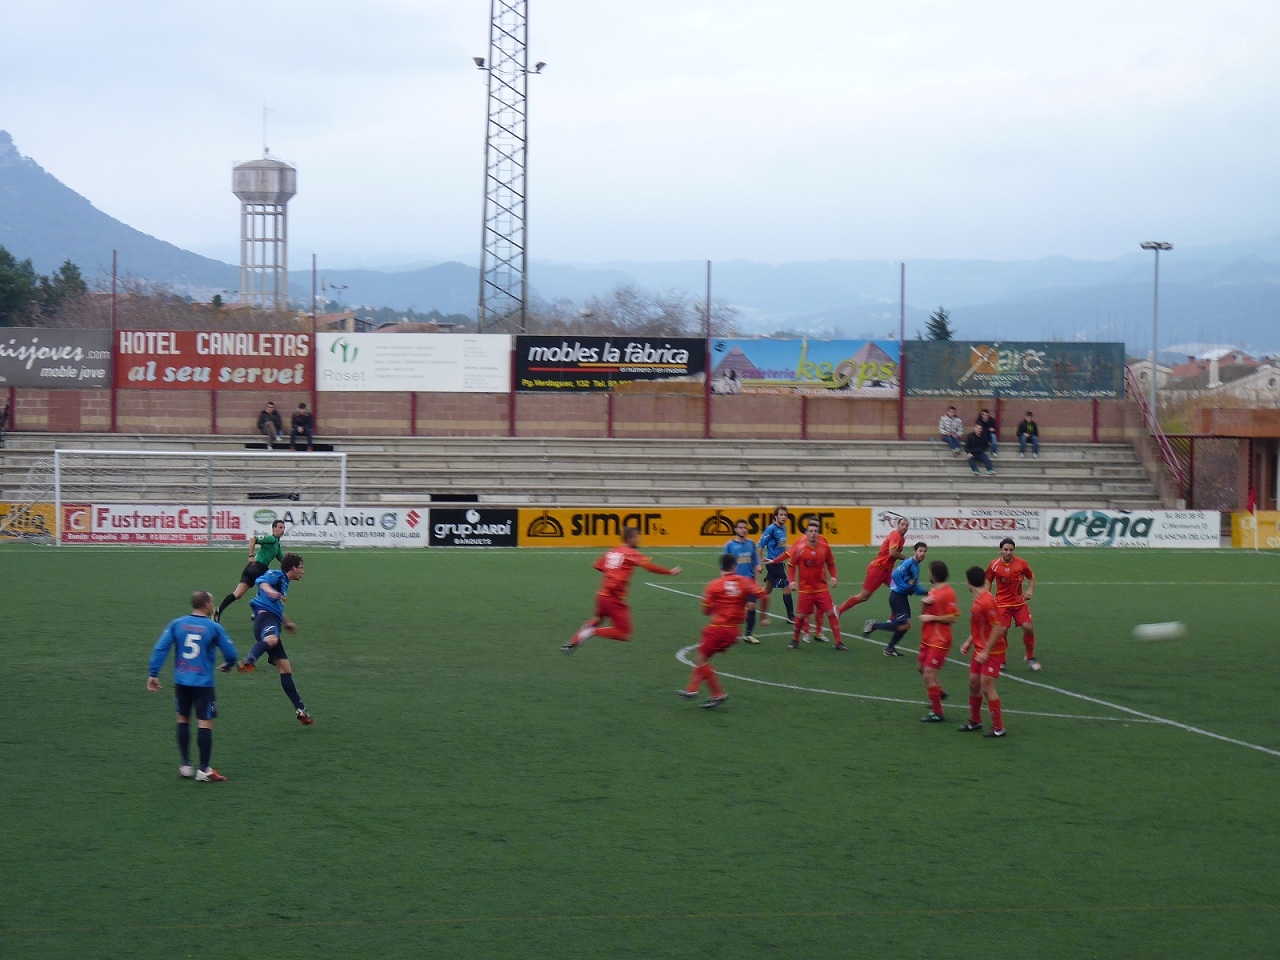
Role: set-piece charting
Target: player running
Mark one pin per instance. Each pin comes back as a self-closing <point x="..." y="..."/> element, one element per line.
<point x="268" y="618"/>
<point x="262" y="550"/>
<point x="880" y="570"/>
<point x="727" y="600"/>
<point x="940" y="612"/>
<point x="990" y="646"/>
<point x="773" y="545"/>
<point x="902" y="585"/>
<point x="746" y="556"/>
<point x="1011" y="574"/>
<point x="809" y="561"/>
<point x="616" y="567"/>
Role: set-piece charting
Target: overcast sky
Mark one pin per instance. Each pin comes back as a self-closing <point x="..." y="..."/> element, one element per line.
<point x="670" y="129"/>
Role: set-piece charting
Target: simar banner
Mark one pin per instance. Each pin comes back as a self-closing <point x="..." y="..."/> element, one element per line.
<point x="682" y="526"/>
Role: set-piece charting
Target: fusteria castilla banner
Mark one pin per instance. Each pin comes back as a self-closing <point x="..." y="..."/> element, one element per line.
<point x="212" y="360"/>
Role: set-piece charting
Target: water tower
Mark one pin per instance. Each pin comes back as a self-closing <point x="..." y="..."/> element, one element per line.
<point x="264" y="188"/>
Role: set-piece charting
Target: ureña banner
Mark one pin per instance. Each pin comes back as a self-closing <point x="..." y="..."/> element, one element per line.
<point x="601" y="363"/>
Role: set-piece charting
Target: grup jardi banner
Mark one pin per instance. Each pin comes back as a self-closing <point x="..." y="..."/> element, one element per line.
<point x="212" y="360"/>
<point x="1133" y="528"/>
<point x="962" y="526"/>
<point x="413" y="362"/>
<point x="683" y="526"/>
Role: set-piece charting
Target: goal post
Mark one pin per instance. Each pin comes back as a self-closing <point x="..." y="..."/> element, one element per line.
<point x="198" y="498"/>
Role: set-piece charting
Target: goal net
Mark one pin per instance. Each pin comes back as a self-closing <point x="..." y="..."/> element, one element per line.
<point x="198" y="498"/>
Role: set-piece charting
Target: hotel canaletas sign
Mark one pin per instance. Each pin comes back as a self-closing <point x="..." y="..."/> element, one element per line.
<point x="213" y="360"/>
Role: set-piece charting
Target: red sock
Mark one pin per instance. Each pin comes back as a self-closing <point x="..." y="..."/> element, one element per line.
<point x="848" y="604"/>
<point x="800" y="626"/>
<point x="935" y="699"/>
<point x="997" y="715"/>
<point x="975" y="709"/>
<point x="712" y="680"/>
<point x="835" y="627"/>
<point x="695" y="680"/>
<point x="612" y="633"/>
<point x="1029" y="641"/>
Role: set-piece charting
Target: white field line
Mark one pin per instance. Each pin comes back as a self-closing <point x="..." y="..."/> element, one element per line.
<point x="682" y="656"/>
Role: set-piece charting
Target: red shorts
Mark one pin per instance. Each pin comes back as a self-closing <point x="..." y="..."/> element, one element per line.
<point x="989" y="669"/>
<point x="615" y="610"/>
<point x="932" y="656"/>
<point x="1020" y="615"/>
<point x="715" y="638"/>
<point x="876" y="578"/>
<point x="819" y="601"/>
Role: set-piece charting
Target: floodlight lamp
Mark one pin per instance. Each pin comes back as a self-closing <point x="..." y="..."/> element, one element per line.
<point x="479" y="62"/>
<point x="537" y="67"/>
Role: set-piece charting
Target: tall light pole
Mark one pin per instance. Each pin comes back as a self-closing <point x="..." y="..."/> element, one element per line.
<point x="1157" y="246"/>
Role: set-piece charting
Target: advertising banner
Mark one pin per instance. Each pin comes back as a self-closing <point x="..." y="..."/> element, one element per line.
<point x="473" y="527"/>
<point x="413" y="362"/>
<point x="1132" y="528"/>
<point x="20" y="521"/>
<point x="187" y="525"/>
<point x="681" y="526"/>
<point x="962" y="526"/>
<point x="212" y="360"/>
<point x="847" y="368"/>
<point x="601" y="363"/>
<point x="1262" y="533"/>
<point x="1016" y="369"/>
<point x="364" y="526"/>
<point x="49" y="359"/>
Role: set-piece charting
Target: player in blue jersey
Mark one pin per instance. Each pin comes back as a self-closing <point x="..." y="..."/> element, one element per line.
<point x="773" y="544"/>
<point x="746" y="558"/>
<point x="195" y="639"/>
<point x="268" y="618"/>
<point x="904" y="583"/>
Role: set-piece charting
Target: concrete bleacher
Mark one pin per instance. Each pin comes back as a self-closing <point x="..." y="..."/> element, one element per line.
<point x="622" y="472"/>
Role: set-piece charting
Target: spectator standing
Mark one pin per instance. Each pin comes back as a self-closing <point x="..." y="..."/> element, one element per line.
<point x="269" y="424"/>
<point x="990" y="428"/>
<point x="975" y="446"/>
<point x="301" y="426"/>
<point x="951" y="429"/>
<point x="1028" y="432"/>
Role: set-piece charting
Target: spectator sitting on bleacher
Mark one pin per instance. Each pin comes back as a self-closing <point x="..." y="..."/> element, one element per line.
<point x="990" y="428"/>
<point x="1028" y="432"/>
<point x="951" y="429"/>
<point x="269" y="424"/>
<point x="301" y="426"/>
<point x="975" y="445"/>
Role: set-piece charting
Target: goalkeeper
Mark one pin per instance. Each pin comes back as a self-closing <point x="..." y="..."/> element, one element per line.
<point x="262" y="550"/>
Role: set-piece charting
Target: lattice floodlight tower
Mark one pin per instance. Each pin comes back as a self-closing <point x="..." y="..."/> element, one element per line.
<point x="264" y="187"/>
<point x="503" y="270"/>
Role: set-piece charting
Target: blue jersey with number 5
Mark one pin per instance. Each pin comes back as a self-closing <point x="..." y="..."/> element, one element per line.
<point x="194" y="639"/>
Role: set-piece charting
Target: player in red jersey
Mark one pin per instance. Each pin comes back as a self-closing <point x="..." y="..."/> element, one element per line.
<point x="1009" y="574"/>
<point x="880" y="570"/>
<point x="616" y="565"/>
<point x="990" y="646"/>
<point x="809" y="561"/>
<point x="726" y="600"/>
<point x="940" y="613"/>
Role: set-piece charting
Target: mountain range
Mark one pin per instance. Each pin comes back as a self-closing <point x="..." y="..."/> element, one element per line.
<point x="1224" y="295"/>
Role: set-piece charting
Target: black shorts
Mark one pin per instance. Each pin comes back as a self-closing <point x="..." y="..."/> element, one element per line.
<point x="252" y="572"/>
<point x="775" y="574"/>
<point x="202" y="701"/>
<point x="900" y="607"/>
<point x="269" y="625"/>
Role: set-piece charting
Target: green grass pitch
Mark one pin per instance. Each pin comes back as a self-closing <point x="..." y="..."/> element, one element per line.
<point x="469" y="791"/>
